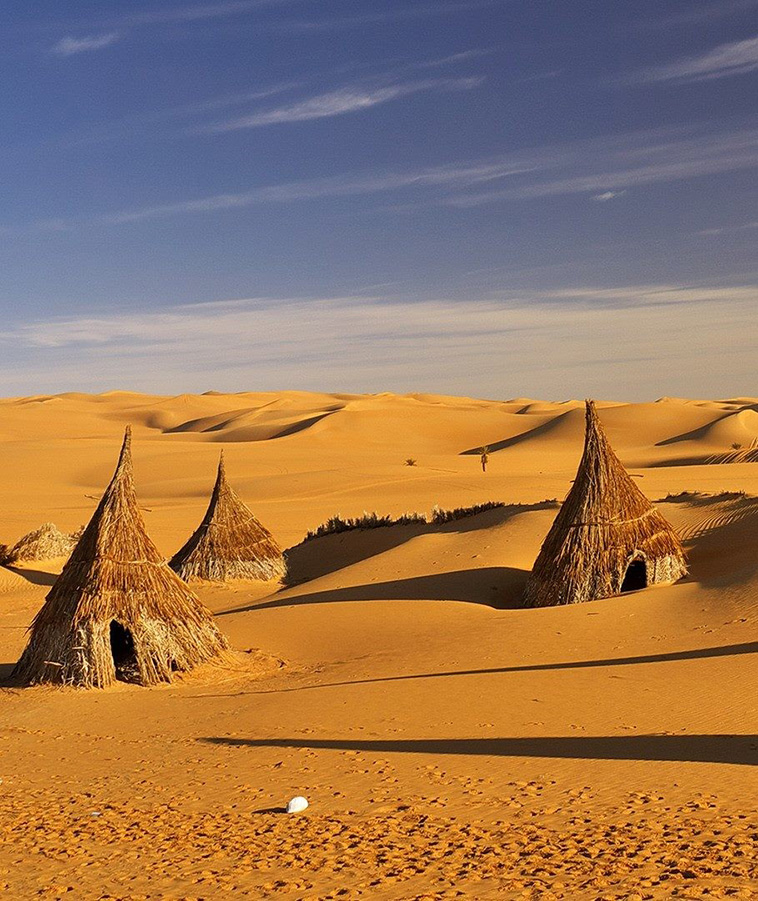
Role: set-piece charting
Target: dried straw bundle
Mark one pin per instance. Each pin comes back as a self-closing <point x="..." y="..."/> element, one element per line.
<point x="229" y="543"/>
<point x="45" y="543"/>
<point x="605" y="524"/>
<point x="117" y="611"/>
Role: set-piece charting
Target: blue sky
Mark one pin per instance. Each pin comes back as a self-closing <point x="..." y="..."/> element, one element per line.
<point x="496" y="198"/>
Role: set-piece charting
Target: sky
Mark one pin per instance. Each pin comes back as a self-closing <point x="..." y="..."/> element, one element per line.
<point x="492" y="198"/>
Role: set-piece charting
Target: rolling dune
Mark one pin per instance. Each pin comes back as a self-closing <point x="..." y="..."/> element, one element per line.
<point x="450" y="743"/>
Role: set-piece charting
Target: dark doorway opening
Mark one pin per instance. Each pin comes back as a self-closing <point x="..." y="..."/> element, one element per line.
<point x="636" y="576"/>
<point x="124" y="655"/>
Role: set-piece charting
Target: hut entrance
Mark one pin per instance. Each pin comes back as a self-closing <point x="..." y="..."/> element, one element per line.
<point x="636" y="575"/>
<point x="124" y="656"/>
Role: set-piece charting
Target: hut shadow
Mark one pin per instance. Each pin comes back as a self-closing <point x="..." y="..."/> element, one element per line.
<point x="5" y="673"/>
<point x="501" y="588"/>
<point x="731" y="650"/>
<point x="320" y="556"/>
<point x="35" y="576"/>
<point x="733" y="749"/>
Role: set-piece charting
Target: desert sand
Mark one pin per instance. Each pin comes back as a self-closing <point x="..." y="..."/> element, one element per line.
<point x="450" y="744"/>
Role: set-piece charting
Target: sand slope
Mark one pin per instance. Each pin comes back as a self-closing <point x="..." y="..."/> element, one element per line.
<point x="449" y="742"/>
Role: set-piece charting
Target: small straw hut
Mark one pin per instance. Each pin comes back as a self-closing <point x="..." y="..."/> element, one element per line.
<point x="45" y="543"/>
<point x="607" y="537"/>
<point x="229" y="543"/>
<point x="117" y="611"/>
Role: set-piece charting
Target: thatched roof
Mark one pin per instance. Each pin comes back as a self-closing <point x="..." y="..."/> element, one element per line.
<point x="118" y="611"/>
<point x="605" y="530"/>
<point x="230" y="543"/>
<point x="45" y="543"/>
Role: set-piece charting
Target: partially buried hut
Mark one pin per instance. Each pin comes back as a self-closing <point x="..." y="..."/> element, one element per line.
<point x="607" y="537"/>
<point x="45" y="543"/>
<point x="117" y="611"/>
<point x="230" y="543"/>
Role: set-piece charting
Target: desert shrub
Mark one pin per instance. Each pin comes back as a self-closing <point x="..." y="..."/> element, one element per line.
<point x="692" y="497"/>
<point x="439" y="517"/>
<point x="336" y="524"/>
<point x="442" y="516"/>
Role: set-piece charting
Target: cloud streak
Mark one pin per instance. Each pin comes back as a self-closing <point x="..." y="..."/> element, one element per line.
<point x="535" y="340"/>
<point x="724" y="61"/>
<point x="345" y="186"/>
<point x="375" y="18"/>
<point x="635" y="160"/>
<point x="607" y="195"/>
<point x="70" y="46"/>
<point x="603" y="169"/>
<point x="194" y="13"/>
<point x="339" y="103"/>
<point x="729" y="229"/>
<point x="208" y="12"/>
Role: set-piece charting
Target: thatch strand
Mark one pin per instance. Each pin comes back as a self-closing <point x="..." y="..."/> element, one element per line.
<point x="45" y="543"/>
<point x="230" y="543"/>
<point x="605" y="524"/>
<point x="118" y="611"/>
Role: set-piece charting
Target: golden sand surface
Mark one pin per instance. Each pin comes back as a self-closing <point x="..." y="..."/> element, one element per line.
<point x="450" y="744"/>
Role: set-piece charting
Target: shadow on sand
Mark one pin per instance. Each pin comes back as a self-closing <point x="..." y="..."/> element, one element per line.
<point x="499" y="587"/>
<point x="319" y="556"/>
<point x="736" y="749"/>
<point x="35" y="576"/>
<point x="5" y="673"/>
<point x="729" y="650"/>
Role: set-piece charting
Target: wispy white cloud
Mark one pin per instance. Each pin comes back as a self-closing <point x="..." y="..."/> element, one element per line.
<point x="607" y="195"/>
<point x="210" y="11"/>
<point x="133" y="126"/>
<point x="729" y="229"/>
<point x="398" y="14"/>
<point x="627" y="161"/>
<point x="736" y="58"/>
<point x="192" y="13"/>
<point x="70" y="46"/>
<point x="339" y="102"/>
<point x="533" y="341"/>
<point x="603" y="168"/>
<point x="477" y="173"/>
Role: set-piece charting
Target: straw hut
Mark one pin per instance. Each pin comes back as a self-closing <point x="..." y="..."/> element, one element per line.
<point x="607" y="537"/>
<point x="45" y="543"/>
<point x="117" y="611"/>
<point x="229" y="543"/>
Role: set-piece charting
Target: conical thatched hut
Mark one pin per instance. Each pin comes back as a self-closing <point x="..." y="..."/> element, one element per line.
<point x="118" y="611"/>
<point x="45" y="543"/>
<point x="229" y="543"/>
<point x="607" y="537"/>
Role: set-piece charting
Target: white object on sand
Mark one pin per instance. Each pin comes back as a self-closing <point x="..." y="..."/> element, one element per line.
<point x="297" y="804"/>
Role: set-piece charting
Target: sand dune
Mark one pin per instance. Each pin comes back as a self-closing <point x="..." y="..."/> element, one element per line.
<point x="450" y="743"/>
